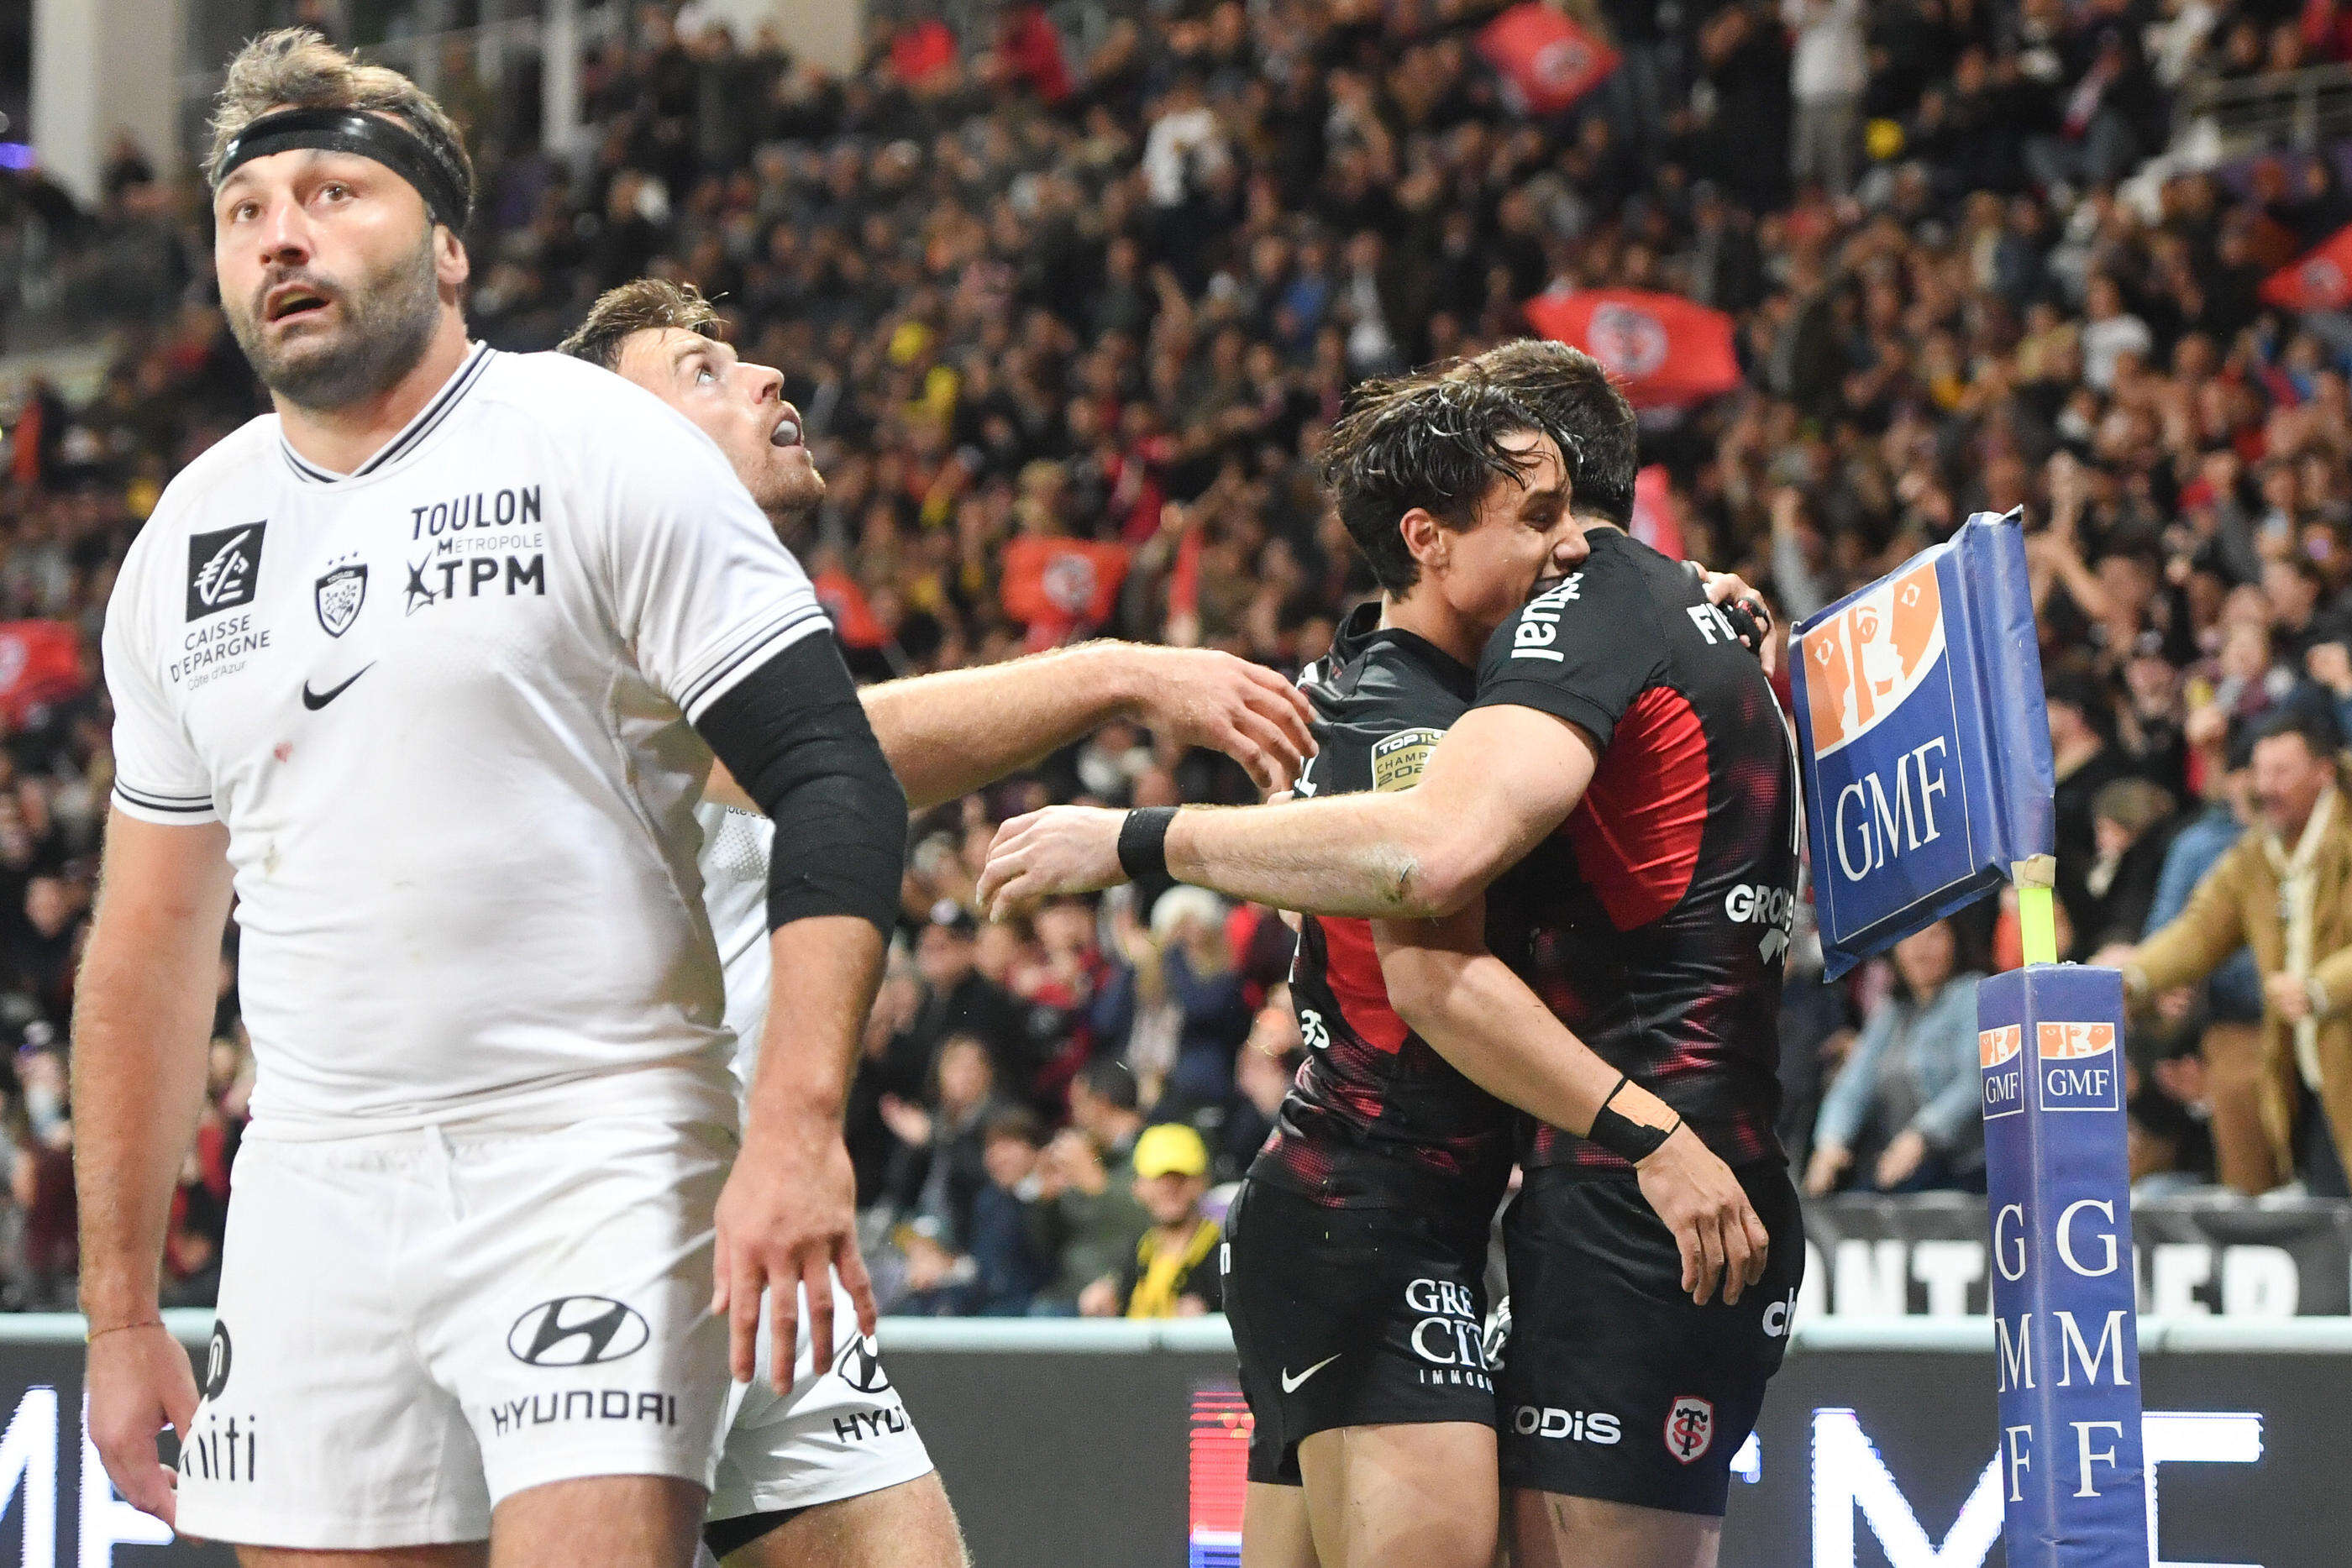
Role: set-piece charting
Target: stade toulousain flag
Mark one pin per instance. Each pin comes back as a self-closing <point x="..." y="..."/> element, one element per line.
<point x="1922" y="740"/>
<point x="1663" y="351"/>
<point x="1057" y="586"/>
<point x="1546" y="61"/>
<point x="2321" y="280"/>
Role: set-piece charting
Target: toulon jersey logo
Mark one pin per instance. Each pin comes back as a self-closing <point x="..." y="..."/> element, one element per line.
<point x="340" y="594"/>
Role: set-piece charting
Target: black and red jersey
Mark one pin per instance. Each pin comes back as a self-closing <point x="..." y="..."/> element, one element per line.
<point x="1659" y="912"/>
<point x="1377" y="1118"/>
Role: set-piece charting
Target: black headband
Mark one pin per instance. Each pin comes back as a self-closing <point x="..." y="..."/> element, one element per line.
<point x="437" y="175"/>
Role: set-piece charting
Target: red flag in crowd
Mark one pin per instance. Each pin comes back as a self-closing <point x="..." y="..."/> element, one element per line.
<point x="2319" y="282"/>
<point x="853" y="617"/>
<point x="1654" y="523"/>
<point x="1661" y="348"/>
<point x="922" y="51"/>
<point x="40" y="663"/>
<point x="1548" y="62"/>
<point x="1056" y="585"/>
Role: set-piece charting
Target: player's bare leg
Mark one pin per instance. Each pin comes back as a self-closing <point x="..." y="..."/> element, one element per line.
<point x="1421" y="1496"/>
<point x="1275" y="1532"/>
<point x="1550" y="1531"/>
<point x="910" y="1525"/>
<point x="600" y="1521"/>
<point x="459" y="1555"/>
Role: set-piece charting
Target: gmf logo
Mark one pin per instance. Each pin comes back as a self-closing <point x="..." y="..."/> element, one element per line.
<point x="1862" y="662"/>
<point x="1690" y="1428"/>
<point x="2000" y="1054"/>
<point x="2078" y="1069"/>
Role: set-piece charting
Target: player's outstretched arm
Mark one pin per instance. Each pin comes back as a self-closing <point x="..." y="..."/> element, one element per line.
<point x="1500" y="781"/>
<point x="143" y="1006"/>
<point x="1482" y="1017"/>
<point x="960" y="730"/>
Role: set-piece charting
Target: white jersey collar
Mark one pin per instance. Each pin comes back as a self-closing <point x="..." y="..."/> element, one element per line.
<point x="412" y="435"/>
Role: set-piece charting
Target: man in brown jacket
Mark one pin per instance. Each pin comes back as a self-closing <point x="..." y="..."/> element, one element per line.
<point x="2285" y="889"/>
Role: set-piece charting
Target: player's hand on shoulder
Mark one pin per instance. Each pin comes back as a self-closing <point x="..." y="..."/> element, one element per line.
<point x="1200" y="696"/>
<point x="788" y="1220"/>
<point x="1715" y="1226"/>
<point x="1060" y="850"/>
<point x="140" y="1381"/>
<point x="1750" y="616"/>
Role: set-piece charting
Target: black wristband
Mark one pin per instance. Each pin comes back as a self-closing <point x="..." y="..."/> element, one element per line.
<point x="1143" y="842"/>
<point x="1628" y="1140"/>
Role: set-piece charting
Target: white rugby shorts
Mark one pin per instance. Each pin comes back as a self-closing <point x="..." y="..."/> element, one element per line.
<point x="842" y="1432"/>
<point x="414" y="1326"/>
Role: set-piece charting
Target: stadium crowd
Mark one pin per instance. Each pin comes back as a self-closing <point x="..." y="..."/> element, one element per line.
<point x="1066" y="327"/>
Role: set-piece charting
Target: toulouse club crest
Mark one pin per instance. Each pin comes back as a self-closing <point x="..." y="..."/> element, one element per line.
<point x="340" y="595"/>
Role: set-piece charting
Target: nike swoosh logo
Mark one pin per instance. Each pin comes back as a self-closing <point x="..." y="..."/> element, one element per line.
<point x="1291" y="1384"/>
<point x="314" y="701"/>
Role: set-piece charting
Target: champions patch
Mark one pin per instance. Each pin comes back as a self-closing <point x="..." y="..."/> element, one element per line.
<point x="1398" y="759"/>
<point x="223" y="568"/>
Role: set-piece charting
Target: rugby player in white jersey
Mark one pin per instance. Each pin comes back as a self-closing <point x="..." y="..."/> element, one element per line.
<point x="831" y="1474"/>
<point x="428" y="667"/>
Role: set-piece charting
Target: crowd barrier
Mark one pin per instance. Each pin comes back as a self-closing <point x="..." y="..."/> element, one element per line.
<point x="1119" y="1445"/>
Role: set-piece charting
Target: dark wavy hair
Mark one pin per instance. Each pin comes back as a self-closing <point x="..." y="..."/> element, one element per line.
<point x="1434" y="443"/>
<point x="1572" y="394"/>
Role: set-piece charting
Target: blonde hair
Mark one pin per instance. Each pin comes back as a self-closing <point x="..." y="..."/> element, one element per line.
<point x="294" y="67"/>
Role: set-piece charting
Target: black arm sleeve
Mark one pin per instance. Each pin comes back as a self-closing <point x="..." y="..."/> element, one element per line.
<point x="795" y="736"/>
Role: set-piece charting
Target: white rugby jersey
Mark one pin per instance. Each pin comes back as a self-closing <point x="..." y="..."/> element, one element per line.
<point x="734" y="862"/>
<point x="442" y="704"/>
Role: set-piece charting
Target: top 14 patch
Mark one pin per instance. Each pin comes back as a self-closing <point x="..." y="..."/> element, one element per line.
<point x="223" y="568"/>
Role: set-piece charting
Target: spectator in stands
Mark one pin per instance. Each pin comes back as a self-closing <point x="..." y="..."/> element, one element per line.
<point x="2129" y="825"/>
<point x="1187" y="1016"/>
<point x="941" y="1165"/>
<point x="1009" y="1268"/>
<point x="2085" y="765"/>
<point x="1172" y="1270"/>
<point x="1087" y="1215"/>
<point x="956" y="999"/>
<point x="1905" y="1110"/>
<point x="2226" y="1081"/>
<point x="1826" y="78"/>
<point x="2283" y="889"/>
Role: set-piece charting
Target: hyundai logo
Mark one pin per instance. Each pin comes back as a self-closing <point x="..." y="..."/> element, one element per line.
<point x="577" y="1331"/>
<point x="859" y="1364"/>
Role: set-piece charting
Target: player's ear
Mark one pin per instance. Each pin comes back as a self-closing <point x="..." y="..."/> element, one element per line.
<point x="451" y="264"/>
<point x="1426" y="539"/>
